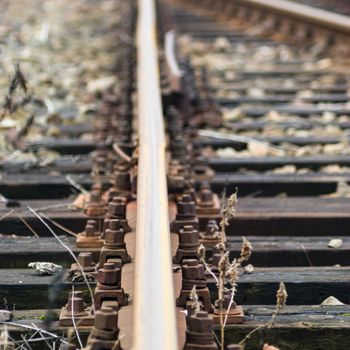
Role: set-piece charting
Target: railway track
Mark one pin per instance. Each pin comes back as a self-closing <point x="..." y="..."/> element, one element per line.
<point x="338" y="6"/>
<point x="236" y="109"/>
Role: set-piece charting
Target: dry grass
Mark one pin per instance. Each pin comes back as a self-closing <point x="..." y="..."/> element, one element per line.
<point x="281" y="299"/>
<point x="70" y="252"/>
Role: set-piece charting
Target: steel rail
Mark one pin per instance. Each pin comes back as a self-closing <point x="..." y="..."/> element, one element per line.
<point x="311" y="15"/>
<point x="154" y="303"/>
<point x="175" y="73"/>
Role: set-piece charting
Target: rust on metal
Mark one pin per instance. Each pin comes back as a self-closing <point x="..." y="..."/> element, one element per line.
<point x="186" y="214"/>
<point x="109" y="286"/>
<point x="193" y="275"/>
<point x="188" y="244"/>
<point x="77" y="310"/>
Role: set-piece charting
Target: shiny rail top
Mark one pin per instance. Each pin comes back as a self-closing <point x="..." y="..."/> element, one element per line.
<point x="315" y="16"/>
<point x="174" y="71"/>
<point x="154" y="304"/>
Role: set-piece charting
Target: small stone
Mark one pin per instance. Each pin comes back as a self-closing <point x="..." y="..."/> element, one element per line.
<point x="287" y="169"/>
<point x="7" y="123"/>
<point x="328" y="116"/>
<point x="256" y="92"/>
<point x="331" y="301"/>
<point x="343" y="189"/>
<point x="101" y="84"/>
<point x="325" y="63"/>
<point x="249" y="269"/>
<point x="232" y="114"/>
<point x="226" y="152"/>
<point x="258" y="149"/>
<point x="222" y="43"/>
<point x="45" y="268"/>
<point x="5" y="316"/>
<point x="335" y="243"/>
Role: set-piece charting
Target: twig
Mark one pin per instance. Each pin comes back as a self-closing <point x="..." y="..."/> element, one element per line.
<point x="74" y="324"/>
<point x="217" y="339"/>
<point x="65" y="229"/>
<point x="41" y="336"/>
<point x="54" y="206"/>
<point x="70" y="252"/>
<point x="229" y="308"/>
<point x="281" y="297"/>
<point x="222" y="273"/>
<point x="121" y="153"/>
<point x="306" y="254"/>
<point x="7" y="214"/>
<point x="80" y="188"/>
<point x="25" y="128"/>
<point x="25" y="342"/>
<point x="35" y="328"/>
<point x="235" y="138"/>
<point x="28" y="226"/>
<point x="211" y="272"/>
<point x="18" y="80"/>
<point x="31" y="340"/>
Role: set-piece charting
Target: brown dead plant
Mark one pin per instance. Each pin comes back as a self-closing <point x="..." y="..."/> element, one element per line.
<point x="281" y="299"/>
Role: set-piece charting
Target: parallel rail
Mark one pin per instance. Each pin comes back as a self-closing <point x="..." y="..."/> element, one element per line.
<point x="311" y="15"/>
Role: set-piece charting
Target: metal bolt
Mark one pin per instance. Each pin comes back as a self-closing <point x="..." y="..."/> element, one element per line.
<point x="114" y="224"/>
<point x="117" y="207"/>
<point x="186" y="206"/>
<point x="89" y="230"/>
<point x="114" y="236"/>
<point x="200" y="323"/>
<point x="75" y="302"/>
<point x="192" y="270"/>
<point x="85" y="259"/>
<point x="206" y="197"/>
<point x="109" y="275"/>
<point x="106" y="319"/>
<point x="187" y="235"/>
<point x="94" y="197"/>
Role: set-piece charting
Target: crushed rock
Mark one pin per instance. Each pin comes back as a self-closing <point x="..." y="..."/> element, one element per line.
<point x="331" y="301"/>
<point x="45" y="268"/>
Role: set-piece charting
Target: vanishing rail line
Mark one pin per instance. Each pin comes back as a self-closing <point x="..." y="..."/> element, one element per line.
<point x="205" y="112"/>
<point x="154" y="316"/>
